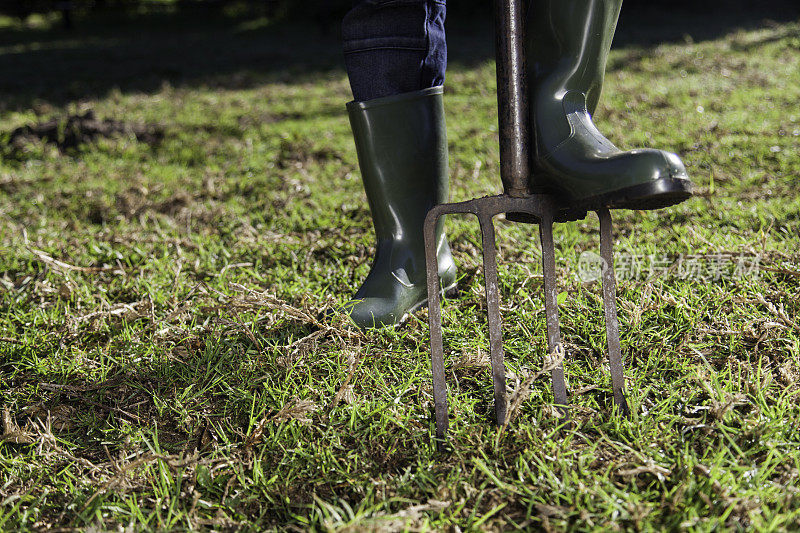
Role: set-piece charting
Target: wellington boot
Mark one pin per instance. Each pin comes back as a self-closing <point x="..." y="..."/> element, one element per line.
<point x="568" y="45"/>
<point x="402" y="152"/>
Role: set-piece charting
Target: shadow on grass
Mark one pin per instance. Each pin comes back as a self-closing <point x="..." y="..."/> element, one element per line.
<point x="212" y="373"/>
<point x="203" y="397"/>
<point x="142" y="54"/>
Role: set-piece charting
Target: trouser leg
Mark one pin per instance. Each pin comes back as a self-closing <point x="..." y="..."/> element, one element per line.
<point x="394" y="46"/>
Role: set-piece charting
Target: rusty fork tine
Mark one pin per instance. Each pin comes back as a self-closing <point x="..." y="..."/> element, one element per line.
<point x="435" y="322"/>
<point x="495" y="323"/>
<point x="610" y="308"/>
<point x="551" y="310"/>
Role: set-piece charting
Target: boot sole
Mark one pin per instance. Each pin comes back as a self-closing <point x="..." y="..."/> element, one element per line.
<point x="657" y="194"/>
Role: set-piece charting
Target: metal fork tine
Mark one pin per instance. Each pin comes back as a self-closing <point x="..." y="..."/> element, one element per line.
<point x="551" y="310"/>
<point x="435" y="322"/>
<point x="610" y="307"/>
<point x="495" y="323"/>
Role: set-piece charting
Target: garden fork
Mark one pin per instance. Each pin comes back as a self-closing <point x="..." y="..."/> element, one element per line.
<point x="520" y="205"/>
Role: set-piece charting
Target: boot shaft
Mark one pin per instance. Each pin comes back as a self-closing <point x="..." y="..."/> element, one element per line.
<point x="569" y="41"/>
<point x="401" y="142"/>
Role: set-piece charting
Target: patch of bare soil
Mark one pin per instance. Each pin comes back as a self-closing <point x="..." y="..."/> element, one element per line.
<point x="75" y="130"/>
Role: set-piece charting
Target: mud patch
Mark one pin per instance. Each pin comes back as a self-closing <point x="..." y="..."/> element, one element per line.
<point x="75" y="130"/>
<point x="302" y="153"/>
<point x="136" y="200"/>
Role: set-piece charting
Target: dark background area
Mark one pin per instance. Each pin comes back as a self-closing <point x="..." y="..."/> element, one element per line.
<point x="328" y="12"/>
<point x="87" y="48"/>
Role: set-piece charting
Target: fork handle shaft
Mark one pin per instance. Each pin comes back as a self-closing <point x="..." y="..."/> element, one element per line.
<point x="512" y="97"/>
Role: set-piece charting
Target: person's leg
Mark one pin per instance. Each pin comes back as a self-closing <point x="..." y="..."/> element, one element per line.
<point x="396" y="57"/>
<point x="394" y="46"/>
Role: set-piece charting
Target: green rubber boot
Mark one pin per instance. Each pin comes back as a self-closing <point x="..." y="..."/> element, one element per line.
<point x="568" y="45"/>
<point x="402" y="152"/>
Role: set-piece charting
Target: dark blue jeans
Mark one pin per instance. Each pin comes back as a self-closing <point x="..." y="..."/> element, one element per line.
<point x="394" y="46"/>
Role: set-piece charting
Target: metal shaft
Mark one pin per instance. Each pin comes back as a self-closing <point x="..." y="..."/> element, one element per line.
<point x="512" y="97"/>
<point x="610" y="308"/>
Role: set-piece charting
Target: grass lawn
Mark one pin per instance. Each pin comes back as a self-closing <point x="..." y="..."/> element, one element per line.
<point x="168" y="255"/>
